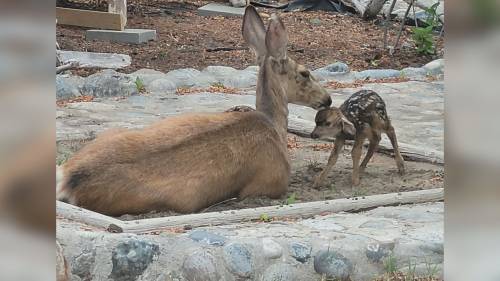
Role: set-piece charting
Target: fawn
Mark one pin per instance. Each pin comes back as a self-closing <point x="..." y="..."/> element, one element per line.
<point x="363" y="115"/>
<point x="190" y="162"/>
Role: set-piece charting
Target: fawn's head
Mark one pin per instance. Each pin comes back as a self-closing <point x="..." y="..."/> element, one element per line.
<point x="330" y="123"/>
<point x="301" y="87"/>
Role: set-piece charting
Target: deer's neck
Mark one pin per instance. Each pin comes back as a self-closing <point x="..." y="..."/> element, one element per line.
<point x="271" y="98"/>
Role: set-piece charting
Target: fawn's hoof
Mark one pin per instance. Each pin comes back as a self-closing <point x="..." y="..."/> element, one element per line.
<point x="401" y="170"/>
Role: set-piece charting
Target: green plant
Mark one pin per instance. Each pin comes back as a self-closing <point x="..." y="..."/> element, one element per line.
<point x="412" y="267"/>
<point x="218" y="85"/>
<point x="431" y="268"/>
<point x="390" y="265"/>
<point x="422" y="36"/>
<point x="139" y="84"/>
<point x="291" y="199"/>
<point x="265" y="218"/>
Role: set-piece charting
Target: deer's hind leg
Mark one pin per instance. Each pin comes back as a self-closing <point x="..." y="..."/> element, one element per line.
<point x="391" y="133"/>
<point x="374" y="138"/>
<point x="356" y="156"/>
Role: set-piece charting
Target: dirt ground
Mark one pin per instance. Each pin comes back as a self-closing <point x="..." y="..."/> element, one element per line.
<point x="308" y="157"/>
<point x="188" y="40"/>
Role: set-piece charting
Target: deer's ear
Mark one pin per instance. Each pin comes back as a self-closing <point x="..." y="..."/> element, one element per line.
<point x="276" y="38"/>
<point x="347" y="127"/>
<point x="254" y="32"/>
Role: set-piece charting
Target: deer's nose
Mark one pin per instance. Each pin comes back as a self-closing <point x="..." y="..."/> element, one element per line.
<point x="327" y="102"/>
<point x="314" y="135"/>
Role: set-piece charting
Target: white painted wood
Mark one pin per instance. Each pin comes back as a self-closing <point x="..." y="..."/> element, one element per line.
<point x="299" y="210"/>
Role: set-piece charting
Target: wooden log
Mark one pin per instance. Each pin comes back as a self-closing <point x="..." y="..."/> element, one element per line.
<point x="237" y="216"/>
<point x="294" y="210"/>
<point x="85" y="18"/>
<point x="87" y="217"/>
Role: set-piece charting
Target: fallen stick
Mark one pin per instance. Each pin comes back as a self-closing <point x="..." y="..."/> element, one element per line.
<point x="68" y="66"/>
<point x="225" y="49"/>
<point x="298" y="210"/>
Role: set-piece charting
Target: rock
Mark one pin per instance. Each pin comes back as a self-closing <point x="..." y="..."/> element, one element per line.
<point x="414" y="72"/>
<point x="377" y="224"/>
<point x="83" y="265"/>
<point x="147" y="75"/>
<point x="207" y="237"/>
<point x="62" y="271"/>
<point x="95" y="60"/>
<point x="333" y="264"/>
<point x="300" y="252"/>
<point x="200" y="265"/>
<point x="189" y="77"/>
<point x="315" y="21"/>
<point x="280" y="272"/>
<point x="435" y="67"/>
<point x="272" y="250"/>
<point x="109" y="83"/>
<point x="68" y="86"/>
<point x="161" y="86"/>
<point x="231" y="77"/>
<point x="131" y="258"/>
<point x="238" y="3"/>
<point x="378" y="74"/>
<point x="238" y="259"/>
<point x="378" y="251"/>
<point x="337" y="67"/>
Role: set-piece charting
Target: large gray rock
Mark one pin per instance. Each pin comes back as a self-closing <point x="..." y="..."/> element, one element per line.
<point x="109" y="83"/>
<point x="189" y="77"/>
<point x="95" y="60"/>
<point x="414" y="73"/>
<point x="68" y="86"/>
<point x="200" y="265"/>
<point x="337" y="67"/>
<point x="378" y="74"/>
<point x="435" y="67"/>
<point x="271" y="249"/>
<point x="333" y="265"/>
<point x="130" y="259"/>
<point x="231" y="77"/>
<point x="239" y="259"/>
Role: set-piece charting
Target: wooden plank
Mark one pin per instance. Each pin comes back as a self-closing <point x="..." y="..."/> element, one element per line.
<point x="237" y="216"/>
<point x="94" y="19"/>
<point x="119" y="7"/>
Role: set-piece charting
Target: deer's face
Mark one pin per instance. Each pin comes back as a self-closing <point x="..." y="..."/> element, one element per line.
<point x="304" y="89"/>
<point x="330" y="123"/>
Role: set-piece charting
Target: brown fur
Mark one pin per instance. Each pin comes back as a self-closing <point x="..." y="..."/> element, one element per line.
<point x="189" y="162"/>
<point x="361" y="116"/>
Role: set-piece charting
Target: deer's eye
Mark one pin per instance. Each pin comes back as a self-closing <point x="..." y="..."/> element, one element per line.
<point x="305" y="73"/>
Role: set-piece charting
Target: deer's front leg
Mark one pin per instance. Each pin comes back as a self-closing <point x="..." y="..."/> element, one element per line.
<point x="320" y="178"/>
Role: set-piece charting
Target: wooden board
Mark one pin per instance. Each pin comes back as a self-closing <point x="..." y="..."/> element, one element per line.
<point x="93" y="19"/>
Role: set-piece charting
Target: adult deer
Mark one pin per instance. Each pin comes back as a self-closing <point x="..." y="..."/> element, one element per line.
<point x="189" y="162"/>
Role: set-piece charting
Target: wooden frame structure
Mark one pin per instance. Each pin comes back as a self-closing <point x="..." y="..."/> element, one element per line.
<point x="114" y="19"/>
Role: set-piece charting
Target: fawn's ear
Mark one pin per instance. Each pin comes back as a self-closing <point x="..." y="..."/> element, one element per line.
<point x="276" y="38"/>
<point x="254" y="32"/>
<point x="347" y="127"/>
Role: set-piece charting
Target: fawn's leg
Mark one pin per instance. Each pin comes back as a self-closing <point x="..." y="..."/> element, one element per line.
<point x="374" y="141"/>
<point x="356" y="156"/>
<point x="320" y="178"/>
<point x="397" y="155"/>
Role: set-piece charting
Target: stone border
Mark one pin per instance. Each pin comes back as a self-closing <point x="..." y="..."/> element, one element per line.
<point x="300" y="210"/>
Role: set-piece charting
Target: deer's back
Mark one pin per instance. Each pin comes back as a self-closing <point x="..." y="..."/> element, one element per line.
<point x="182" y="163"/>
<point x="365" y="107"/>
